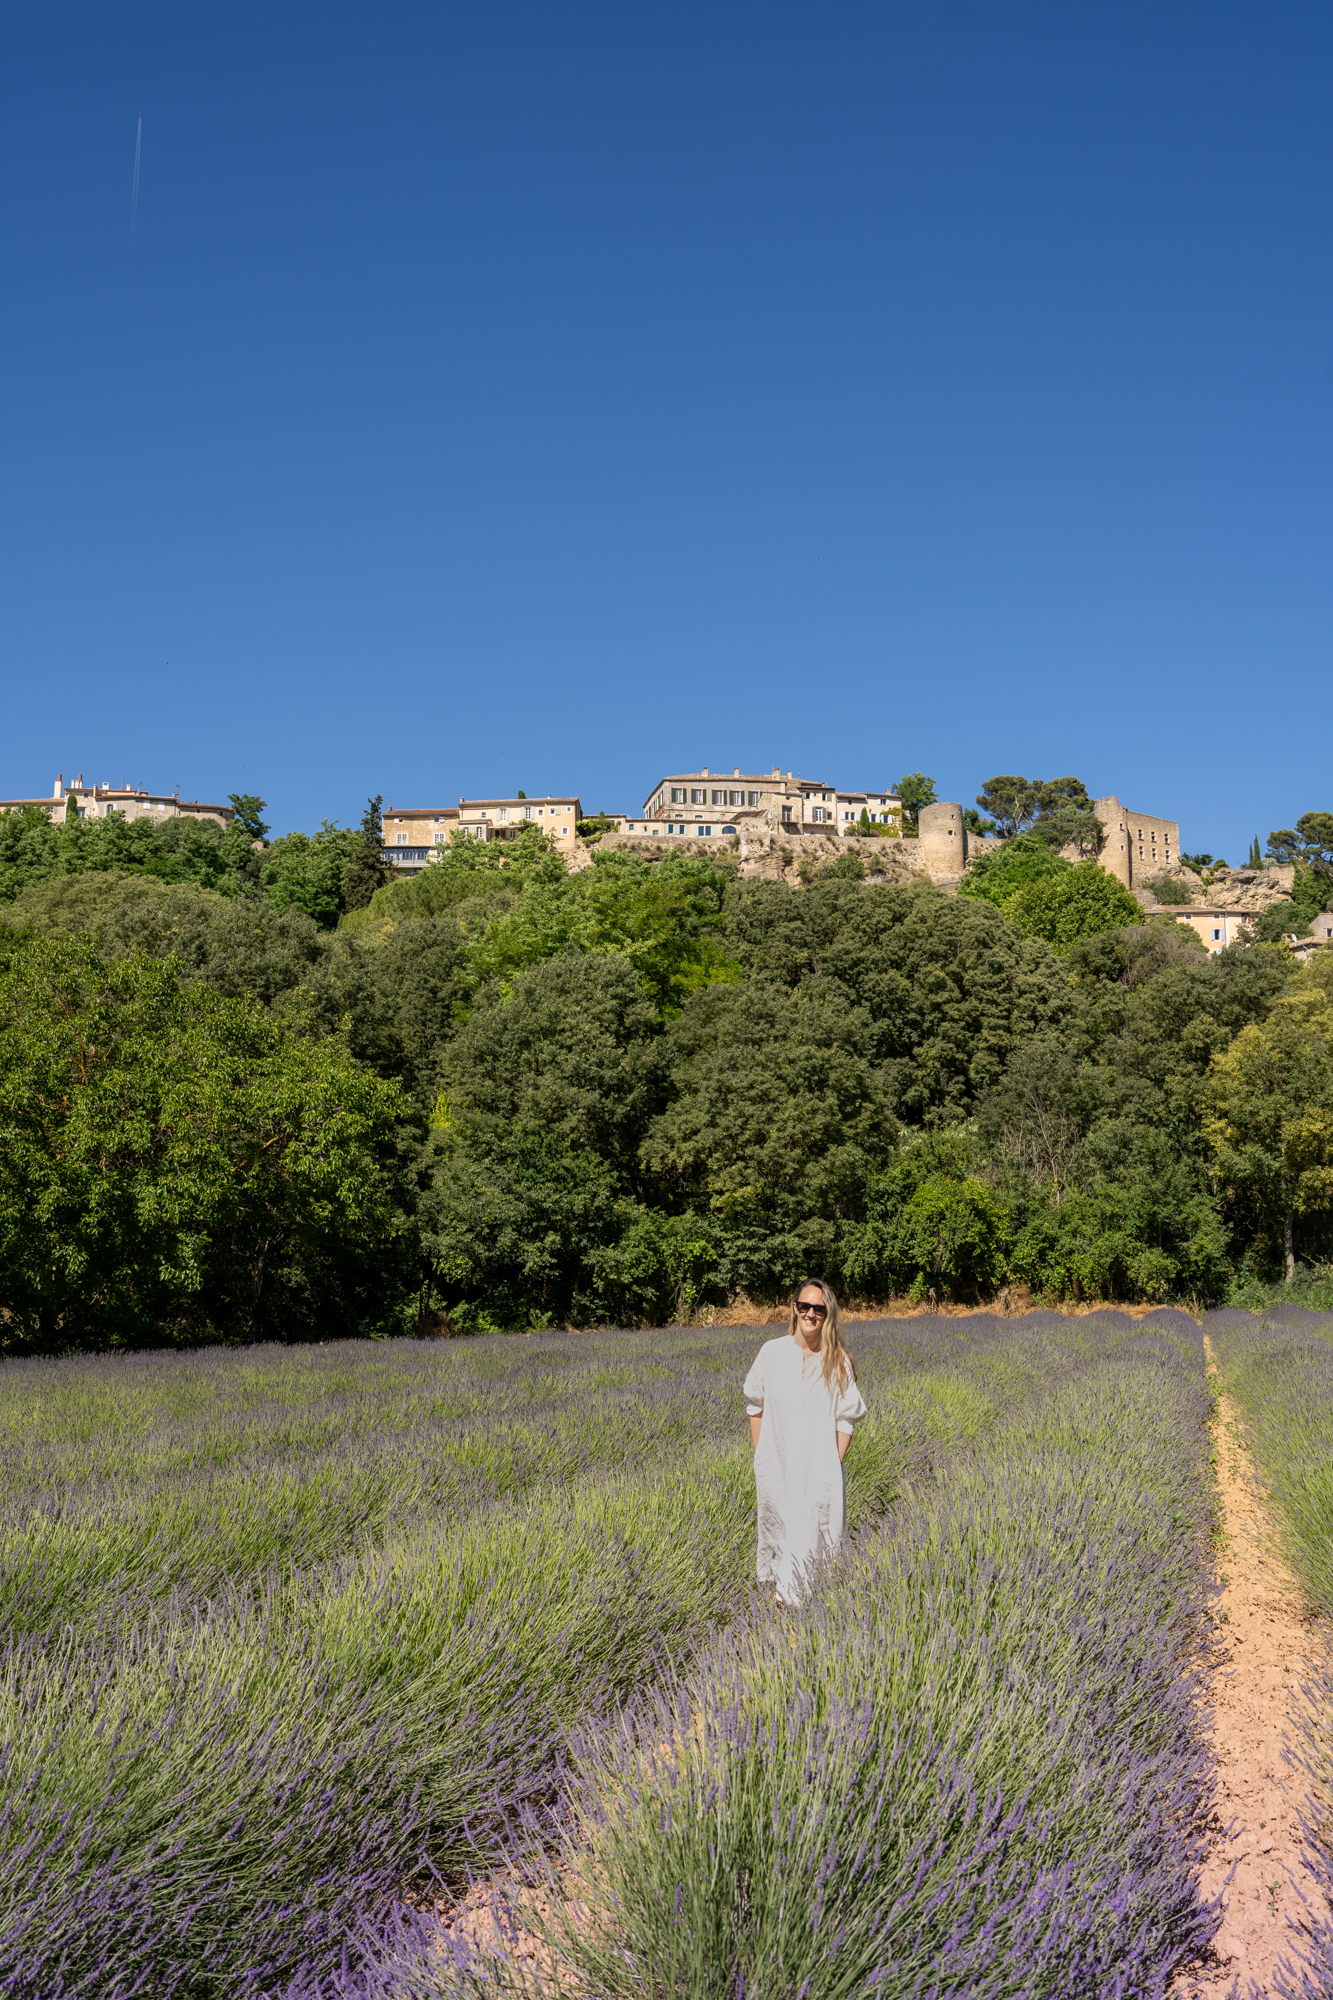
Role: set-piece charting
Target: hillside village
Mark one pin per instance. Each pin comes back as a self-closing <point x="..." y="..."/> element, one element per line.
<point x="785" y="826"/>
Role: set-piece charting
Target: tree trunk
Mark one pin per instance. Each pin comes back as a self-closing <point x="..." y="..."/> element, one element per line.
<point x="1287" y="1248"/>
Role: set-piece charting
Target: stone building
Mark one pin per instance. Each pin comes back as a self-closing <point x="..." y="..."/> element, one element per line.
<point x="1215" y="927"/>
<point x="787" y="805"/>
<point x="118" y="801"/>
<point x="413" y="834"/>
<point x="1135" y="845"/>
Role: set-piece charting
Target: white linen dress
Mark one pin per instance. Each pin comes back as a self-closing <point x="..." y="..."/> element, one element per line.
<point x="798" y="1475"/>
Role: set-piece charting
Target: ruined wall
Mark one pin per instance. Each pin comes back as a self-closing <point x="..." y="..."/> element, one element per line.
<point x="943" y="841"/>
<point x="1136" y="845"/>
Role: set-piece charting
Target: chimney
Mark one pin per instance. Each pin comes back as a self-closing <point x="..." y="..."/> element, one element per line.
<point x="79" y="782"/>
<point x="58" y="789"/>
<point x="704" y="772"/>
<point x="736" y="773"/>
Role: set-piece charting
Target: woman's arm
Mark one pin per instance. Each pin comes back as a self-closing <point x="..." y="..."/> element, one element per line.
<point x="755" y="1422"/>
<point x="844" y="1439"/>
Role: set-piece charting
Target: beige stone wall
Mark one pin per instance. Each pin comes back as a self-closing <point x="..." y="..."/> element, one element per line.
<point x="943" y="840"/>
<point x="1136" y="845"/>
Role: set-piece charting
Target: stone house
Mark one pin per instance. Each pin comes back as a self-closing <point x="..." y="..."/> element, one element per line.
<point x="413" y="834"/>
<point x="785" y="805"/>
<point x="119" y="802"/>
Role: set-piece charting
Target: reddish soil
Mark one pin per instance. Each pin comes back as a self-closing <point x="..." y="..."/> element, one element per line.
<point x="1255" y="1860"/>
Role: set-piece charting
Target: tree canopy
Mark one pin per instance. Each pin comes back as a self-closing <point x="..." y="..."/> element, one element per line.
<point x="508" y="1093"/>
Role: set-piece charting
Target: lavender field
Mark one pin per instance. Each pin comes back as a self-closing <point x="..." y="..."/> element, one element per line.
<point x="292" y="1632"/>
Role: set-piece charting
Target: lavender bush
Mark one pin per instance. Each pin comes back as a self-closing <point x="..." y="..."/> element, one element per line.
<point x="284" y="1630"/>
<point x="972" y="1766"/>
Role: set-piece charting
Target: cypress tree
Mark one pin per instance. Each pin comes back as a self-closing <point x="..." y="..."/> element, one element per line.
<point x="366" y="869"/>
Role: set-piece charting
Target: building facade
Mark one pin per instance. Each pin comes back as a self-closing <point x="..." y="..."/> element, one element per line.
<point x="414" y="835"/>
<point x="1215" y="928"/>
<point x="1135" y="846"/>
<point x="497" y="819"/>
<point x="411" y="835"/>
<point x="791" y="804"/>
<point x="81" y="801"/>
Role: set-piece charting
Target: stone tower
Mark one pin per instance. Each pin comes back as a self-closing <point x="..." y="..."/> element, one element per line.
<point x="943" y="841"/>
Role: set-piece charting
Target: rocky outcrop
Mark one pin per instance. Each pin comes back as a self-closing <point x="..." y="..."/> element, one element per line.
<point x="1253" y="890"/>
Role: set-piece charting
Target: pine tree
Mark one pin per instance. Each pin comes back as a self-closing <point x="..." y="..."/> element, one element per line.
<point x="366" y="870"/>
<point x="1256" y="858"/>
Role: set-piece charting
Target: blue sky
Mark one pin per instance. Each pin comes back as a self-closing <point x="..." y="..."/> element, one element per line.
<point x="552" y="396"/>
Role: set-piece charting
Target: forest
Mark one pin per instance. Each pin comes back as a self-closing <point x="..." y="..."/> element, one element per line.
<point x="251" y="1090"/>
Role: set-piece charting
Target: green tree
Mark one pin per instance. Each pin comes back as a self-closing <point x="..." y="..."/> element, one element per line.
<point x="1256" y="859"/>
<point x="1278" y="922"/>
<point x="243" y="842"/>
<point x="366" y="869"/>
<point x="308" y="872"/>
<point x="1271" y="1128"/>
<point x="915" y="790"/>
<point x="173" y="1162"/>
<point x="547" y="1092"/>
<point x="930" y="1227"/>
<point x="29" y="850"/>
<point x="249" y="809"/>
<point x="1011" y="803"/>
<point x="995" y="877"/>
<point x="1311" y="843"/>
<point x="1058" y="809"/>
<point x="779" y="1119"/>
<point x="1069" y="825"/>
<point x="1074" y="904"/>
<point x="664" y="917"/>
<point x="239" y="947"/>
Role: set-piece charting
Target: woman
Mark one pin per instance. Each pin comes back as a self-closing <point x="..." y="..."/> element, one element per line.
<point x="803" y="1402"/>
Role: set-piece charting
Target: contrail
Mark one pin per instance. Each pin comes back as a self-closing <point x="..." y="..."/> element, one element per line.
<point x="134" y="197"/>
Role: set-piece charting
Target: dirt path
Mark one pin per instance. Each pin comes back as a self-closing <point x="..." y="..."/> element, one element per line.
<point x="1264" y="1638"/>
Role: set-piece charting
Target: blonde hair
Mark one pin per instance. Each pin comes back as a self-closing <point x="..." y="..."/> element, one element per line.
<point x="837" y="1363"/>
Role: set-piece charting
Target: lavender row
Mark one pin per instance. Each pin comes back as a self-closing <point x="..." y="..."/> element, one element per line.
<point x="973" y="1767"/>
<point x="217" y="1775"/>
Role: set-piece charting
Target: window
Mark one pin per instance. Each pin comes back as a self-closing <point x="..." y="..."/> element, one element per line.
<point x="401" y="838"/>
<point x="718" y="799"/>
<point x="1216" y="934"/>
<point x="698" y="798"/>
<point x="752" y="798"/>
<point x="503" y="813"/>
<point x="677" y="795"/>
<point x="705" y="829"/>
<point x="441" y="839"/>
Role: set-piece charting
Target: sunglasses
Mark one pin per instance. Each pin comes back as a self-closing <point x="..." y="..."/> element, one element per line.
<point x="810" y="1312"/>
